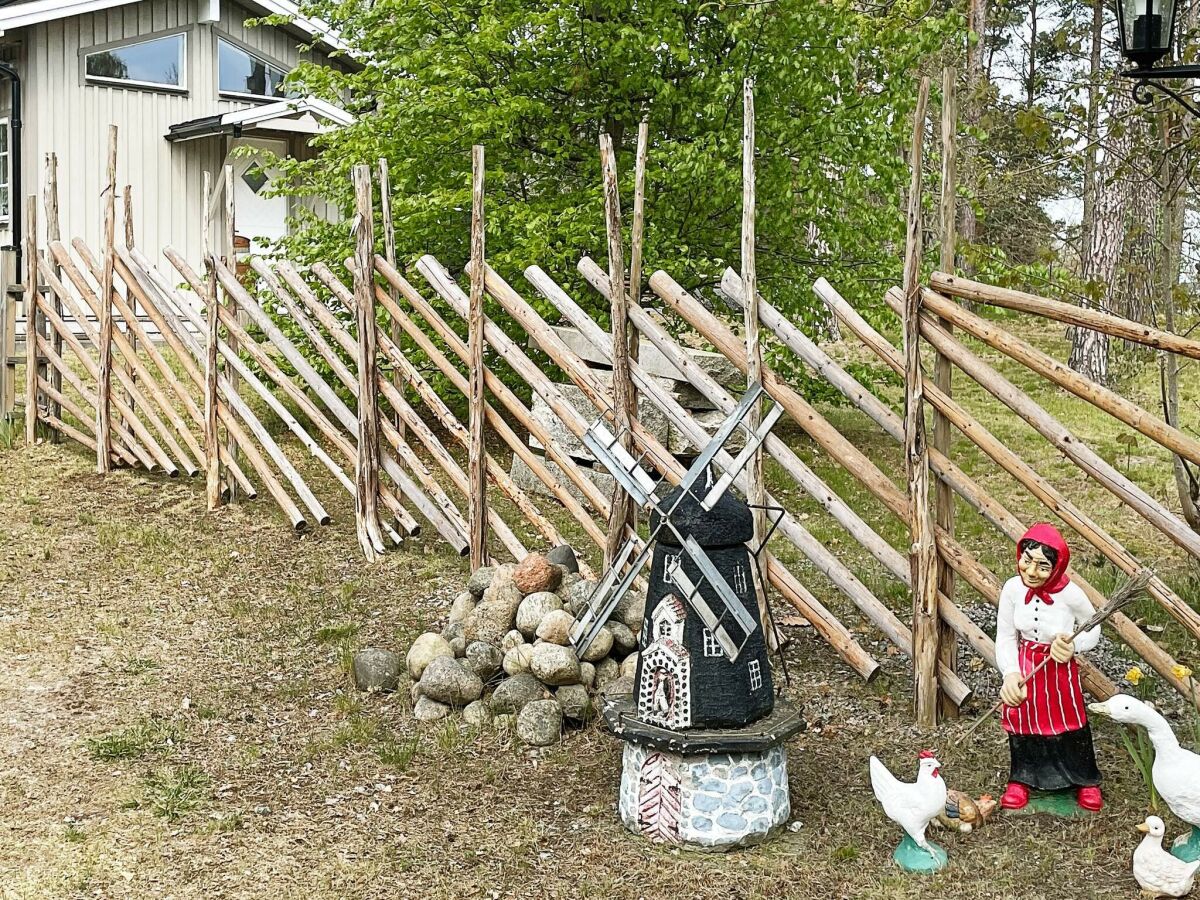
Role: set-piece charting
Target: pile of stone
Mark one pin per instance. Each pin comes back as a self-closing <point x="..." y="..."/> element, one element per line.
<point x="504" y="657"/>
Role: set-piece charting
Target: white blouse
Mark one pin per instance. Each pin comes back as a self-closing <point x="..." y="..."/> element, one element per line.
<point x="1039" y="622"/>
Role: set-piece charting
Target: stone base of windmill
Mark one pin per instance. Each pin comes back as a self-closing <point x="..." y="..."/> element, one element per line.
<point x="705" y="789"/>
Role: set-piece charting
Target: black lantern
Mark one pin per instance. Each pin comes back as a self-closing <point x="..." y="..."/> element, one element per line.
<point x="1146" y="29"/>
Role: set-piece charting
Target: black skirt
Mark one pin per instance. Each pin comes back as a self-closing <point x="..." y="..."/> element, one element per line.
<point x="1054" y="763"/>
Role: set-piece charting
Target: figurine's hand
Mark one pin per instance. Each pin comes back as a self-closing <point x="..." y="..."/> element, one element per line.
<point x="1012" y="692"/>
<point x="1062" y="649"/>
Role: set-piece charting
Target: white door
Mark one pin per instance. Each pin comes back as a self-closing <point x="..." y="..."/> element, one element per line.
<point x="256" y="216"/>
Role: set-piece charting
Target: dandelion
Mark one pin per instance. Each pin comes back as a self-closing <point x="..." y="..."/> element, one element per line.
<point x="1134" y="675"/>
<point x="1181" y="672"/>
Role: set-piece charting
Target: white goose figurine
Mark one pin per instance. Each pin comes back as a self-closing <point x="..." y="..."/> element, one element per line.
<point x="1158" y="872"/>
<point x="1176" y="771"/>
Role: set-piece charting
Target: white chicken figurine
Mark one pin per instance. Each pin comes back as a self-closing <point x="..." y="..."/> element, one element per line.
<point x="1158" y="872"/>
<point x="1176" y="771"/>
<point x="913" y="807"/>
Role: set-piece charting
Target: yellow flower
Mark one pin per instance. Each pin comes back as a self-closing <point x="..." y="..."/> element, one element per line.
<point x="1181" y="671"/>
<point x="1134" y="675"/>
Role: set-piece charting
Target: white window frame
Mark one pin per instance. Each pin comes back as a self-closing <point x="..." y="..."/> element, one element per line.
<point x="6" y="170"/>
<point x="130" y="83"/>
<point x="756" y="679"/>
<point x="712" y="647"/>
<point x="253" y="54"/>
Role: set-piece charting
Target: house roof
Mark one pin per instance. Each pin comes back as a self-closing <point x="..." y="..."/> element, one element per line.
<point x="31" y="12"/>
<point x="301" y="115"/>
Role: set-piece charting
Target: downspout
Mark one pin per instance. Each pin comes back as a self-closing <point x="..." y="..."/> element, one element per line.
<point x="15" y="195"/>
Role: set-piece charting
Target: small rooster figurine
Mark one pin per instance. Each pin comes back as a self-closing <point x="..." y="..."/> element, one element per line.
<point x="913" y="807"/>
<point x="963" y="814"/>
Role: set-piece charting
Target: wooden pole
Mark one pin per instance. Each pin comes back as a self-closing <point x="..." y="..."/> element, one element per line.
<point x="104" y="371"/>
<point x="923" y="550"/>
<point x="33" y="322"/>
<point x="637" y="235"/>
<point x="127" y="211"/>
<point x="942" y="369"/>
<point x="622" y="514"/>
<point x="367" y="471"/>
<point x="231" y="263"/>
<point x="212" y="438"/>
<point x="53" y="227"/>
<point x="756" y="494"/>
<point x="476" y="466"/>
<point x="389" y="253"/>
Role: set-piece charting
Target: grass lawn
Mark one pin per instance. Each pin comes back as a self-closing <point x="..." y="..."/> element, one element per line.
<point x="176" y="718"/>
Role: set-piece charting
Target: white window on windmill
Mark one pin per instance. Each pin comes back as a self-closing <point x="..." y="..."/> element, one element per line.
<point x="667" y="620"/>
<point x="739" y="579"/>
<point x="755" y="674"/>
<point x="712" y="647"/>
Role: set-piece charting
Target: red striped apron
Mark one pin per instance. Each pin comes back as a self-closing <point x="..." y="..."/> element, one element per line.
<point x="1054" y="703"/>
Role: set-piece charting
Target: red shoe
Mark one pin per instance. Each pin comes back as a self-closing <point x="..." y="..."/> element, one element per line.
<point x="1016" y="796"/>
<point x="1090" y="798"/>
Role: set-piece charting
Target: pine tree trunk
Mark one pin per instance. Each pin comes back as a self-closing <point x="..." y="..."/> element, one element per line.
<point x="976" y="90"/>
<point x="1093" y="132"/>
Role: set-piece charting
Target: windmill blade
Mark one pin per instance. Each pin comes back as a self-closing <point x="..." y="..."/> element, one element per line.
<point x="608" y="594"/>
<point x="608" y="451"/>
<point x="720" y="436"/>
<point x="753" y="442"/>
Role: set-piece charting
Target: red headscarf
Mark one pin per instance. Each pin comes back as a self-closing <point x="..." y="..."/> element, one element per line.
<point x="1048" y="535"/>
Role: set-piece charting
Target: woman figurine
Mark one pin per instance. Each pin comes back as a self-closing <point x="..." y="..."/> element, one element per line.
<point x="1049" y="739"/>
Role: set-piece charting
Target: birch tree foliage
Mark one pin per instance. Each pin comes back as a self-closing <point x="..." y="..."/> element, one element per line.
<point x="537" y="82"/>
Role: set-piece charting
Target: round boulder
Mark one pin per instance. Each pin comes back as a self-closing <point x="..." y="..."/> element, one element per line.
<point x="428" y="710"/>
<point x="624" y="641"/>
<point x="629" y="666"/>
<point x="480" y="580"/>
<point x="599" y="647"/>
<point x="631" y="610"/>
<point x="448" y="681"/>
<point x="563" y="555"/>
<point x="577" y="596"/>
<point x="513" y="693"/>
<point x="533" y="609"/>
<point x="424" y="650"/>
<point x="536" y="573"/>
<point x="462" y="606"/>
<point x="513" y="639"/>
<point x="618" y="687"/>
<point x="555" y="627"/>
<point x="483" y="659"/>
<point x="607" y="670"/>
<point x="459" y="646"/>
<point x="477" y="713"/>
<point x="587" y="674"/>
<point x="539" y="723"/>
<point x="376" y="670"/>
<point x="518" y="659"/>
<point x="575" y="702"/>
<point x="554" y="665"/>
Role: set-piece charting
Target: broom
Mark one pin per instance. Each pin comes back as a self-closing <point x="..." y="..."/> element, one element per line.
<point x="1122" y="596"/>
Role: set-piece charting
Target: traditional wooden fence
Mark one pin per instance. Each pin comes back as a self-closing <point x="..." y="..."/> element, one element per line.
<point x="381" y="429"/>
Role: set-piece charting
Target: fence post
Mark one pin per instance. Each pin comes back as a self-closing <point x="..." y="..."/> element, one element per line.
<point x="923" y="552"/>
<point x="104" y="351"/>
<point x="127" y="210"/>
<point x="389" y="253"/>
<point x="942" y="368"/>
<point x="637" y="238"/>
<point x="476" y="468"/>
<point x="54" y="234"/>
<point x="366" y="481"/>
<point x="33" y="321"/>
<point x="231" y="304"/>
<point x="212" y="438"/>
<point x="621" y="512"/>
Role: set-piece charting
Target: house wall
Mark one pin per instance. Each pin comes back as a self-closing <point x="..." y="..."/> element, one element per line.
<point x="70" y="117"/>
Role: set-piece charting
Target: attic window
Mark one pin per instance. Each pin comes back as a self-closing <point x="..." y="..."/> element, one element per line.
<point x="241" y="73"/>
<point x="156" y="63"/>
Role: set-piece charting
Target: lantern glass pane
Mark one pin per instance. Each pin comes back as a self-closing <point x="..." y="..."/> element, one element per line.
<point x="1146" y="24"/>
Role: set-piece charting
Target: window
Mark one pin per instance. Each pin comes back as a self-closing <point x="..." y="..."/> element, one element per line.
<point x="154" y="63"/>
<point x="711" y="646"/>
<point x="755" y="675"/>
<point x="5" y="170"/>
<point x="240" y="72"/>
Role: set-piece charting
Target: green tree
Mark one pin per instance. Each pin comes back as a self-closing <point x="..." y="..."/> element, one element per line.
<point x="536" y="82"/>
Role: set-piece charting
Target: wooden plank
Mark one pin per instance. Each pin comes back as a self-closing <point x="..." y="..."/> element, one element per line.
<point x="923" y="551"/>
<point x="53" y="233"/>
<point x="476" y="416"/>
<point x="942" y="368"/>
<point x="127" y="211"/>
<point x="622" y="514"/>
<point x="33" y="321"/>
<point x="212" y="437"/>
<point x="637" y="234"/>
<point x="1078" y="316"/>
<point x="104" y="349"/>
<point x="231" y="372"/>
<point x="389" y="253"/>
<point x="366" y="499"/>
<point x="823" y="621"/>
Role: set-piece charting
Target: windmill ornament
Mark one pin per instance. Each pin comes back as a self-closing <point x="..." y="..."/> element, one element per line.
<point x="704" y="763"/>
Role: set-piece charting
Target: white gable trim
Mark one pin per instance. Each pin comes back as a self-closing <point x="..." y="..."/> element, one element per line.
<point x="20" y="15"/>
